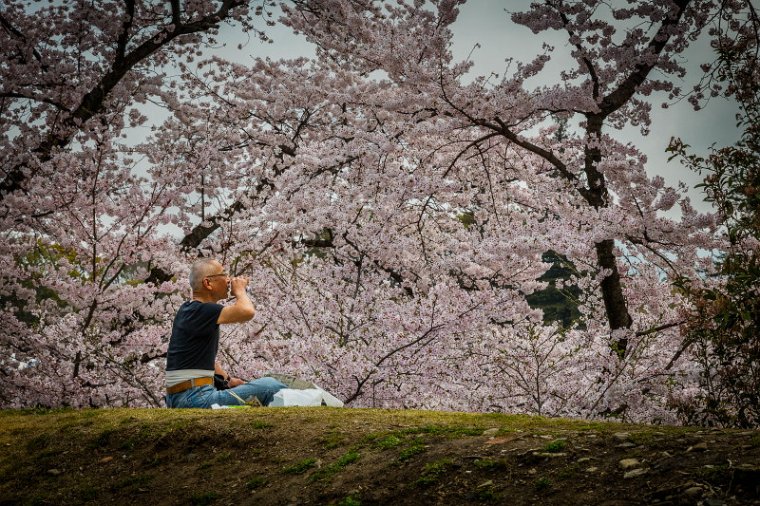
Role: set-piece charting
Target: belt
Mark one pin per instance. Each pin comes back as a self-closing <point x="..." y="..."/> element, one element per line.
<point x="191" y="383"/>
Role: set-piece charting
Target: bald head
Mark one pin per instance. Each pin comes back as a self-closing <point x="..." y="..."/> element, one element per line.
<point x="200" y="269"/>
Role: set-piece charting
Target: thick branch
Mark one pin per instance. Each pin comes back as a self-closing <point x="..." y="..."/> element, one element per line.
<point x="654" y="330"/>
<point x="93" y="102"/>
<point x="628" y="87"/>
<point x="121" y="43"/>
<point x="549" y="156"/>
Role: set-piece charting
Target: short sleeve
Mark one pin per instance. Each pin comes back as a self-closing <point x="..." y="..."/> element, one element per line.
<point x="211" y="312"/>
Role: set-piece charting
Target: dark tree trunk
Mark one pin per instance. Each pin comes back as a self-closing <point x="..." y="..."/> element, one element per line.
<point x="615" y="305"/>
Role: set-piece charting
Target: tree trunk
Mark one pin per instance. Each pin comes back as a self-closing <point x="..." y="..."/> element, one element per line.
<point x="615" y="305"/>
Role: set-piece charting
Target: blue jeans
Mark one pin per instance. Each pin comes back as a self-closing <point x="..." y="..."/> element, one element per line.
<point x="262" y="389"/>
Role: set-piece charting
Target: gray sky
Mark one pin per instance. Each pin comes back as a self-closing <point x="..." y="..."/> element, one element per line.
<point x="487" y="23"/>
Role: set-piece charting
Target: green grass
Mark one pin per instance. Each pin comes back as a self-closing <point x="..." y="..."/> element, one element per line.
<point x="301" y="466"/>
<point x="104" y="438"/>
<point x="256" y="482"/>
<point x="542" y="484"/>
<point x="486" y="494"/>
<point x="85" y="446"/>
<point x="388" y="442"/>
<point x="433" y="471"/>
<point x="415" y="449"/>
<point x="491" y="465"/>
<point x="329" y="471"/>
<point x="332" y="439"/>
<point x="348" y="458"/>
<point x="203" y="498"/>
<point x="38" y="443"/>
<point x="443" y="430"/>
<point x="715" y="474"/>
<point x="555" y="446"/>
<point x="412" y="440"/>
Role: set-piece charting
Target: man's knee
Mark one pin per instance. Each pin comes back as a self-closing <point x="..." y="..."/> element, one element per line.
<point x="265" y="389"/>
<point x="270" y="384"/>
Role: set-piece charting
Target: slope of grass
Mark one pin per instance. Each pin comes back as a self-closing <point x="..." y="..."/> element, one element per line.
<point x="363" y="456"/>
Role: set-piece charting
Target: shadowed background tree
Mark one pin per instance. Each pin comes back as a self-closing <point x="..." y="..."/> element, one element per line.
<point x="724" y="322"/>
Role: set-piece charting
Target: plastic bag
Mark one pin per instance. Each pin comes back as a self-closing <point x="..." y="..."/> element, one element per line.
<point x="305" y="397"/>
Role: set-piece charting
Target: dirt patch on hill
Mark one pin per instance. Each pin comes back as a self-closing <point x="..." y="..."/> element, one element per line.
<point x="348" y="457"/>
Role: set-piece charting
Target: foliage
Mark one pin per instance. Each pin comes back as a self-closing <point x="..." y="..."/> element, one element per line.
<point x="555" y="446"/>
<point x="724" y="324"/>
<point x="434" y="471"/>
<point x="327" y="472"/>
<point x="558" y="303"/>
<point x="256" y="482"/>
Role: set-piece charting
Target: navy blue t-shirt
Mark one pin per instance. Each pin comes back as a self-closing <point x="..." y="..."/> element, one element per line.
<point x="195" y="336"/>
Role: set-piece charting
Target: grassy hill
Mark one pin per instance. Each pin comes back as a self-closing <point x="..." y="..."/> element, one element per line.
<point x="283" y="456"/>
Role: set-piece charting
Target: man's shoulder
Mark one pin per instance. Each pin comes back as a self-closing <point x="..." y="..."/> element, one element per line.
<point x="196" y="307"/>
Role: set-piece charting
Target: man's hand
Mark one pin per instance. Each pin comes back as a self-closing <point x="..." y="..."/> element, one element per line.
<point x="235" y="382"/>
<point x="238" y="285"/>
<point x="242" y="310"/>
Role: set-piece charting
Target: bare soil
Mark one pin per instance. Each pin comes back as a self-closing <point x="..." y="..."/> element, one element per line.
<point x="350" y="457"/>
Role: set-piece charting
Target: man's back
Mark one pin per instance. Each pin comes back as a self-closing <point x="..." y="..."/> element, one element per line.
<point x="195" y="337"/>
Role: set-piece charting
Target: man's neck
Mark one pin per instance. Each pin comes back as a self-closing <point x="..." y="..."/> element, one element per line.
<point x="200" y="297"/>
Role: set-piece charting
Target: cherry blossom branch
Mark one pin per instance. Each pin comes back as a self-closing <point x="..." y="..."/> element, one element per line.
<point x="474" y="144"/>
<point x="549" y="156"/>
<point x="50" y="101"/>
<point x="15" y="31"/>
<point x="505" y="131"/>
<point x="659" y="328"/>
<point x="121" y="43"/>
<point x="93" y="101"/>
<point x="585" y="59"/>
<point x="615" y="100"/>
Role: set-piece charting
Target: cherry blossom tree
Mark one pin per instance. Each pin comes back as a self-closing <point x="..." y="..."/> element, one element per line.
<point x="615" y="69"/>
<point x="79" y="221"/>
<point x="597" y="181"/>
<point x="499" y="218"/>
<point x="345" y="265"/>
<point x="391" y="212"/>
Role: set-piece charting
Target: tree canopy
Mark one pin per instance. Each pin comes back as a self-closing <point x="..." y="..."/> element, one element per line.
<point x="393" y="213"/>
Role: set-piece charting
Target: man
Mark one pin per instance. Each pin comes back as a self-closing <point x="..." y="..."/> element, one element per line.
<point x="191" y="358"/>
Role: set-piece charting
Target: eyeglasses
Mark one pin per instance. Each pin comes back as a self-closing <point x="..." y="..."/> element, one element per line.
<point x="220" y="274"/>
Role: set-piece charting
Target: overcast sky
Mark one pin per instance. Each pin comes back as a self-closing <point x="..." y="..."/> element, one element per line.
<point x="487" y="23"/>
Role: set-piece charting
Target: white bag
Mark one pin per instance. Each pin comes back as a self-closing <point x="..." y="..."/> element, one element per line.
<point x="305" y="397"/>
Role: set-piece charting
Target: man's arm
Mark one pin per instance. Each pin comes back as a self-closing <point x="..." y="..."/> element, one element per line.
<point x="242" y="310"/>
<point x="233" y="382"/>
